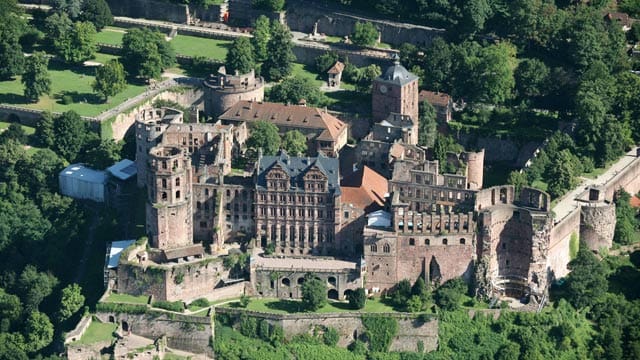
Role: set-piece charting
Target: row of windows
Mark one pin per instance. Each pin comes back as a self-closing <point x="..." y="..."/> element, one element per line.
<point x="385" y="248"/>
<point x="312" y="213"/>
<point x="433" y="195"/>
<point x="412" y="242"/>
<point x="292" y="198"/>
<point x="428" y="227"/>
<point x="164" y="183"/>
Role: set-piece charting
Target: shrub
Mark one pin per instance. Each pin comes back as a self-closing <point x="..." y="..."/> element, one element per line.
<point x="277" y="335"/>
<point x="177" y="306"/>
<point x="202" y="302"/>
<point x="358" y="347"/>
<point x="248" y="326"/>
<point x="263" y="330"/>
<point x="67" y="99"/>
<point x="314" y="293"/>
<point x="244" y="301"/>
<point x="331" y="337"/>
<point x="357" y="299"/>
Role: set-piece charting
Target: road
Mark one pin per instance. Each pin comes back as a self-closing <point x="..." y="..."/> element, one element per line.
<point x="568" y="202"/>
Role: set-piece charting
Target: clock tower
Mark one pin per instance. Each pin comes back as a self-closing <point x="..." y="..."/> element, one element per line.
<point x="395" y="91"/>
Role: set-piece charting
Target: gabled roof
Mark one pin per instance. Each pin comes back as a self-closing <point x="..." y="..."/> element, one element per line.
<point x="292" y="116"/>
<point x="434" y="98"/>
<point x="337" y="68"/>
<point x="296" y="168"/>
<point x="365" y="189"/>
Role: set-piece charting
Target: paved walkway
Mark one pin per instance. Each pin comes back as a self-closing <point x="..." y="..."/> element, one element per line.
<point x="568" y="202"/>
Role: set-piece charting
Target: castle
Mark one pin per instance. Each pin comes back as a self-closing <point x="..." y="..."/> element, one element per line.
<point x="397" y="215"/>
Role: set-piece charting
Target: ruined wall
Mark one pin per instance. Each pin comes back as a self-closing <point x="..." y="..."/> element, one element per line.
<point x="597" y="225"/>
<point x="183" y="332"/>
<point x="288" y="284"/>
<point x="162" y="10"/>
<point x="88" y="351"/>
<point x="186" y="97"/>
<point x="186" y="281"/>
<point x="301" y="16"/>
<point x="349" y="325"/>
<point x="307" y="54"/>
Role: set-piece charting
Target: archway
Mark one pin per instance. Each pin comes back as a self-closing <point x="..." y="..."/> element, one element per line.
<point x="301" y="280"/>
<point x="434" y="271"/>
<point x="333" y="294"/>
<point x="112" y="319"/>
<point x="286" y="282"/>
<point x="332" y="281"/>
<point x="125" y="326"/>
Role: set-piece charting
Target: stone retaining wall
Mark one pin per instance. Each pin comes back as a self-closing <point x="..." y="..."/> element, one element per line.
<point x="411" y="330"/>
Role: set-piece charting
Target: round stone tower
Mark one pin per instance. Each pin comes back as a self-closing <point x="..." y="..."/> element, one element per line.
<point x="169" y="213"/>
<point x="597" y="224"/>
<point x="475" y="169"/>
<point x="222" y="91"/>
<point x="150" y="125"/>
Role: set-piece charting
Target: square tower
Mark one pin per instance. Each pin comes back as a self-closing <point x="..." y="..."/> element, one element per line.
<point x="395" y="91"/>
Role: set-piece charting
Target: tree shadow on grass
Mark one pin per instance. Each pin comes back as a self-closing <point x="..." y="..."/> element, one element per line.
<point x="341" y="305"/>
<point x="288" y="306"/>
<point x="77" y="97"/>
<point x="76" y="69"/>
<point x="13" y="99"/>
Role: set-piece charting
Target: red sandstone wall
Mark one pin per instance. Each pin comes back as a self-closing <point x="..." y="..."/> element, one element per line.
<point x="454" y="260"/>
<point x="558" y="257"/>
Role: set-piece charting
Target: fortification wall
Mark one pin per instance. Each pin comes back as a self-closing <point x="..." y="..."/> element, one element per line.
<point x="559" y="253"/>
<point x="183" y="332"/>
<point x="302" y="16"/>
<point x="598" y="224"/>
<point x="350" y="327"/>
<point x="628" y="179"/>
<point x="186" y="282"/>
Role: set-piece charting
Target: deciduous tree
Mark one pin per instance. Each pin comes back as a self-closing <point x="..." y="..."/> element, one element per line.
<point x="357" y="299"/>
<point x="12" y="27"/>
<point x="34" y="286"/>
<point x="364" y="34"/>
<point x="36" y="78"/>
<point x="110" y="79"/>
<point x="145" y="53"/>
<point x="314" y="293"/>
<point x="587" y="280"/>
<point x="294" y="89"/>
<point x="427" y="131"/>
<point x="71" y="301"/>
<point x="264" y="135"/>
<point x="294" y="143"/>
<point x="70" y="131"/>
<point x="38" y="331"/>
<point x="78" y="44"/>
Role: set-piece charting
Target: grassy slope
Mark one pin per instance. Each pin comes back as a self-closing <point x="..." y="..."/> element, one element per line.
<point x="73" y="81"/>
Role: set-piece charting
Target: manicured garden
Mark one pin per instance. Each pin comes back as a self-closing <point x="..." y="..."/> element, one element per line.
<point x="111" y="35"/>
<point x="73" y="82"/>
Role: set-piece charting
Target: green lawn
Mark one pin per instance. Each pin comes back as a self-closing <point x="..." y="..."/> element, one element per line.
<point x="278" y="306"/>
<point x="103" y="58"/>
<point x="198" y="46"/>
<point x="538" y="184"/>
<point x="96" y="332"/>
<point x="110" y="35"/>
<point x="124" y="298"/>
<point x="75" y="82"/>
<point x="27" y="129"/>
<point x="307" y="71"/>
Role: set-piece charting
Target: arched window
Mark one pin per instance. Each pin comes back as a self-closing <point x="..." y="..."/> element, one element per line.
<point x="386" y="248"/>
<point x="427" y="242"/>
<point x="374" y="248"/>
<point x="178" y="194"/>
<point x="462" y="241"/>
<point x="444" y="241"/>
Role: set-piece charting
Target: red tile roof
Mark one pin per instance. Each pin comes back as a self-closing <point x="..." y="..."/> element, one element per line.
<point x="435" y="98"/>
<point x="289" y="116"/>
<point x="337" y="68"/>
<point x="365" y="189"/>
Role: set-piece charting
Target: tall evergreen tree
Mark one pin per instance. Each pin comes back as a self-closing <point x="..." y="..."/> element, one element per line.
<point x="240" y="56"/>
<point x="280" y="49"/>
<point x="260" y="39"/>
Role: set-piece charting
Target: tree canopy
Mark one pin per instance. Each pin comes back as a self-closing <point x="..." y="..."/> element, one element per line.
<point x="294" y="143"/>
<point x="314" y="293"/>
<point x="97" y="12"/>
<point x="364" y="34"/>
<point x="36" y="78"/>
<point x="278" y="64"/>
<point x="145" y="53"/>
<point x="264" y="135"/>
<point x="240" y="56"/>
<point x="110" y="79"/>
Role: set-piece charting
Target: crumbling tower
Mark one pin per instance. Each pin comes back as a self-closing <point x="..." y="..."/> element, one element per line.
<point x="169" y="211"/>
<point x="475" y="169"/>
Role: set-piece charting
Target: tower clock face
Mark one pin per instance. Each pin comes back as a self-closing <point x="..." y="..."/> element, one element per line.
<point x="383" y="89"/>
